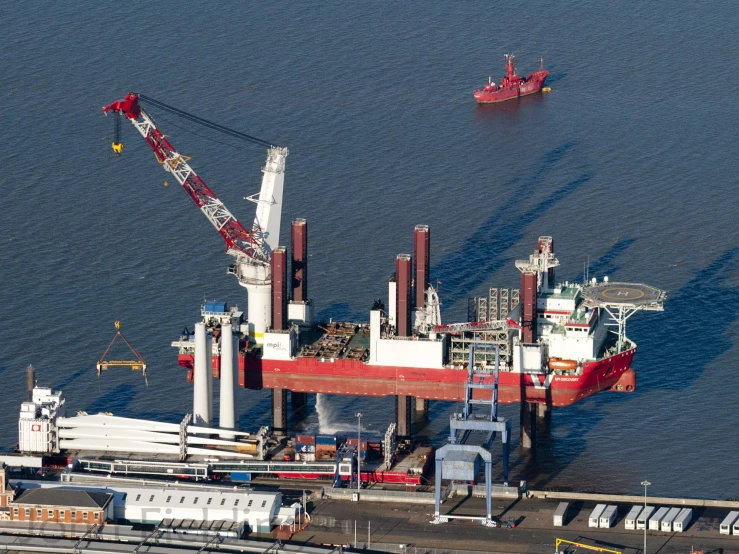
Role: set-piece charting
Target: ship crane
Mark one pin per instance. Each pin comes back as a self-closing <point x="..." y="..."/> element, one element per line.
<point x="251" y="249"/>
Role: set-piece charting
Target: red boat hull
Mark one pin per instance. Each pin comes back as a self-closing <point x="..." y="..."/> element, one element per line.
<point x="533" y="84"/>
<point x="356" y="378"/>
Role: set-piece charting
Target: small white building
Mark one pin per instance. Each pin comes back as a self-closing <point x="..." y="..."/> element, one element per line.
<point x="256" y="510"/>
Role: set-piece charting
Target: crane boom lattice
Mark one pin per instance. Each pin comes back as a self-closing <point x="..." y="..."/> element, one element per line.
<point x="239" y="241"/>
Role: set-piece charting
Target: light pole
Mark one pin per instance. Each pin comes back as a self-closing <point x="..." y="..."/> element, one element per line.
<point x="359" y="450"/>
<point x="645" y="484"/>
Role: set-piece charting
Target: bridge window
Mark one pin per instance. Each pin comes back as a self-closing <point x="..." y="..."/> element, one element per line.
<point x="264" y="503"/>
<point x="195" y="501"/>
<point x="138" y="497"/>
<point x="169" y="498"/>
<point x="236" y="502"/>
<point x="210" y="499"/>
<point x="223" y="501"/>
<point x="151" y="498"/>
<point x="182" y="500"/>
<point x="250" y="502"/>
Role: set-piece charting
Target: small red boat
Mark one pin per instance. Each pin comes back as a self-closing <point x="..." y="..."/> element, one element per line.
<point x="512" y="86"/>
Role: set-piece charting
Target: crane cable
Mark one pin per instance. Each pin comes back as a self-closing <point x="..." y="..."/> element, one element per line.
<point x="204" y="122"/>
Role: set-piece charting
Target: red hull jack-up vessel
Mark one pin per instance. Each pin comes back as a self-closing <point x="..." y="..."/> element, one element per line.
<point x="512" y="85"/>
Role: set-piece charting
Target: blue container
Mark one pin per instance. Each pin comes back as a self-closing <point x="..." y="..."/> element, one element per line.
<point x="240" y="476"/>
<point x="327" y="440"/>
<point x="218" y="307"/>
<point x="305" y="448"/>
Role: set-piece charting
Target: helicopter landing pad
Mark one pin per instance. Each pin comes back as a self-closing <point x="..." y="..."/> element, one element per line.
<point x="636" y="295"/>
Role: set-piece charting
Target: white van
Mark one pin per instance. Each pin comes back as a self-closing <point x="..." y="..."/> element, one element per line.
<point x="658" y="516"/>
<point x="728" y="521"/>
<point x="643" y="519"/>
<point x="666" y="523"/>
<point x="560" y="515"/>
<point x="608" y="517"/>
<point x="630" y="521"/>
<point x="593" y="520"/>
<point x="682" y="520"/>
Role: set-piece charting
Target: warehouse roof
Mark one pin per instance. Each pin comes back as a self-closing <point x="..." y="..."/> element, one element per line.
<point x="64" y="497"/>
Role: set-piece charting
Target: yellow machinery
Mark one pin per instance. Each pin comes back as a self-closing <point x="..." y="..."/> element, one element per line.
<point x="139" y="364"/>
<point x="585" y="546"/>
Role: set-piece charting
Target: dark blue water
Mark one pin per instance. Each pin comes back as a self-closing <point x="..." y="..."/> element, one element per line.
<point x="630" y="161"/>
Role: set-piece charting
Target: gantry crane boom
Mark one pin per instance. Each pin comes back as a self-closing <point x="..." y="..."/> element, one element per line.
<point x="250" y="249"/>
<point x="239" y="241"/>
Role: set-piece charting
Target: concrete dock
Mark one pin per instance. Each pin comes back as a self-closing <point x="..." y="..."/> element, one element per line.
<point x="390" y="525"/>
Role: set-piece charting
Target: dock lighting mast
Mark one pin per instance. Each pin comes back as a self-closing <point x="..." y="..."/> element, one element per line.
<point x="251" y="249"/>
<point x="645" y="484"/>
<point x="359" y="450"/>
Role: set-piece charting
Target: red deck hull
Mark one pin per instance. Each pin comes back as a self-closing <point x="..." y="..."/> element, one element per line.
<point x="533" y="84"/>
<point x="356" y="378"/>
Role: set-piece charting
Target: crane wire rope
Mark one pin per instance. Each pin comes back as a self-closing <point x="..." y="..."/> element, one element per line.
<point x="204" y="122"/>
<point x="139" y="363"/>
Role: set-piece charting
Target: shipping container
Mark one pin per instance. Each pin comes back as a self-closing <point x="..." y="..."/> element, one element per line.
<point x="657" y="518"/>
<point x="728" y="521"/>
<point x="560" y="514"/>
<point x="305" y="448"/>
<point x="735" y="528"/>
<point x="608" y="517"/>
<point x="326" y="440"/>
<point x="305" y="439"/>
<point x="630" y="521"/>
<point x="595" y="515"/>
<point x="643" y="518"/>
<point x="666" y="523"/>
<point x="215" y="307"/>
<point x="240" y="476"/>
<point x="682" y="520"/>
<point x="305" y="456"/>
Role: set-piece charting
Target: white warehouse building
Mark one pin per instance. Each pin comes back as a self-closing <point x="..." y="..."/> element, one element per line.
<point x="255" y="510"/>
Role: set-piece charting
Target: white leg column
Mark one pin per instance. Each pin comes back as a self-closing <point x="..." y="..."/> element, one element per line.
<point x="203" y="353"/>
<point x="229" y="351"/>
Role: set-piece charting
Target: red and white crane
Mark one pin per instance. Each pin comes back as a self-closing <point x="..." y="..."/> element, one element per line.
<point x="251" y="249"/>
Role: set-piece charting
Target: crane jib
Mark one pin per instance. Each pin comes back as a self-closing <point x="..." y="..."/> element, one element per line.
<point x="234" y="234"/>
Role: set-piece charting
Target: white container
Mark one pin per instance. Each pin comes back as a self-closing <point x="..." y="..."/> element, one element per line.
<point x="630" y="521"/>
<point x="643" y="519"/>
<point x="560" y="514"/>
<point x="657" y="518"/>
<point x="608" y="517"/>
<point x="595" y="515"/>
<point x="666" y="523"/>
<point x="728" y="521"/>
<point x="682" y="520"/>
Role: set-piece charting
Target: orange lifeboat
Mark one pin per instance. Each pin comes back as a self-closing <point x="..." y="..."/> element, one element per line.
<point x="562" y="364"/>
